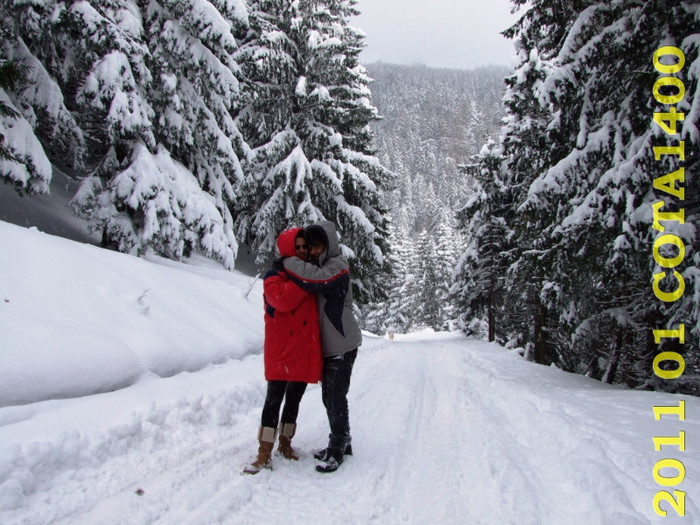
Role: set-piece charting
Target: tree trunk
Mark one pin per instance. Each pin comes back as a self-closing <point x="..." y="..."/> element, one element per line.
<point x="540" y="335"/>
<point x="492" y="320"/>
<point x="611" y="370"/>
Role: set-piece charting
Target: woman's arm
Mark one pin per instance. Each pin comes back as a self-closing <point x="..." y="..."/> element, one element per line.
<point x="282" y="294"/>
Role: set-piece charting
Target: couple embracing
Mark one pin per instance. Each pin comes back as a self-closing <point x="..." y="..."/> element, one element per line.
<point x="311" y="334"/>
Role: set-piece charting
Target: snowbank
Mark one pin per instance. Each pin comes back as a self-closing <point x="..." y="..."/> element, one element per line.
<point x="76" y="319"/>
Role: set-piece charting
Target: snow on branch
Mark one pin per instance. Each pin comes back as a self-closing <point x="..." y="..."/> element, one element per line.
<point x="26" y="165"/>
<point x="178" y="216"/>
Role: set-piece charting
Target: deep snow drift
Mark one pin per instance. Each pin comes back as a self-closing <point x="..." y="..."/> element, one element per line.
<point x="130" y="392"/>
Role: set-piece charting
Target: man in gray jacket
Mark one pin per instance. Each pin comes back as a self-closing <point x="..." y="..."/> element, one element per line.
<point x="329" y="277"/>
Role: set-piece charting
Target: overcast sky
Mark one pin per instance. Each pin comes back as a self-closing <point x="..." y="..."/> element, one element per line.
<point x="438" y="33"/>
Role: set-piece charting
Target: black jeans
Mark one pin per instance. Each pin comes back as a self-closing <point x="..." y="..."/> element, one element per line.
<point x="335" y="384"/>
<point x="291" y="392"/>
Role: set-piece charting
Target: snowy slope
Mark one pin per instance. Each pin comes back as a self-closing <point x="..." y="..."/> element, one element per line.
<point x="81" y="319"/>
<point x="446" y="429"/>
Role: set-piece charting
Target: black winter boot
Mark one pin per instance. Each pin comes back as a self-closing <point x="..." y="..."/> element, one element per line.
<point x="324" y="453"/>
<point x="333" y="459"/>
<point x="333" y="456"/>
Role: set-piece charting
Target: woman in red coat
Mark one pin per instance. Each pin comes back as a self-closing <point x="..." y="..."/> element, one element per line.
<point x="292" y="351"/>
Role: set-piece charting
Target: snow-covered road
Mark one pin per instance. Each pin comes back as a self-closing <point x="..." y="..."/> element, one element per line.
<point x="445" y="430"/>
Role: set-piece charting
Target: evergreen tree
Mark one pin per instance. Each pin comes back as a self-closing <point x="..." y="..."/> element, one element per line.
<point x="411" y="296"/>
<point x="139" y="98"/>
<point x="390" y="315"/>
<point x="579" y="164"/>
<point x="23" y="159"/>
<point x="480" y="274"/>
<point x="278" y="172"/>
<point x="426" y="308"/>
<point x="493" y="286"/>
<point x="23" y="162"/>
<point x="309" y="125"/>
<point x="403" y="296"/>
<point x="447" y="244"/>
<point x="592" y="203"/>
<point x="526" y="149"/>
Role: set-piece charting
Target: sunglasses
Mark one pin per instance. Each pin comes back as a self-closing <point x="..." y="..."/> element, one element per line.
<point x="300" y="247"/>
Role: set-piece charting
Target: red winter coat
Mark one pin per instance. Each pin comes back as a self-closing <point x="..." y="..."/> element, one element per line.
<point x="292" y="335"/>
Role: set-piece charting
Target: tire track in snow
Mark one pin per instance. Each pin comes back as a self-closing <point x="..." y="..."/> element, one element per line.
<point x="538" y="440"/>
<point x="412" y="413"/>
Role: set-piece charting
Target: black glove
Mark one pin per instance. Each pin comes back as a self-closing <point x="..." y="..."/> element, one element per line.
<point x="278" y="264"/>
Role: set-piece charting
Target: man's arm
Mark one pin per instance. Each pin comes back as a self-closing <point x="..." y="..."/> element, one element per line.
<point x="329" y="278"/>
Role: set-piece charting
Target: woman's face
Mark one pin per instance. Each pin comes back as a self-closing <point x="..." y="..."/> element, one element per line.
<point x="301" y="249"/>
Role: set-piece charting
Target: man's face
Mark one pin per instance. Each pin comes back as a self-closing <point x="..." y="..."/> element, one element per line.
<point x="315" y="250"/>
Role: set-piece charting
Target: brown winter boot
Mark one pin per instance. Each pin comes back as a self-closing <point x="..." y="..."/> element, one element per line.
<point x="266" y="438"/>
<point x="287" y="431"/>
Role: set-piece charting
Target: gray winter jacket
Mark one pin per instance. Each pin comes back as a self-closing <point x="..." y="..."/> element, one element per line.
<point x="330" y="280"/>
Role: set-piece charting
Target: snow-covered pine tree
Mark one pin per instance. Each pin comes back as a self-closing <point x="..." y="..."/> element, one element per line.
<point x="490" y="286"/>
<point x="589" y="210"/>
<point x="278" y="173"/>
<point x="408" y="298"/>
<point x="526" y="149"/>
<point x="401" y="201"/>
<point x="23" y="162"/>
<point x="387" y="316"/>
<point x="35" y="122"/>
<point x="421" y="291"/>
<point x="191" y="86"/>
<point x="89" y="58"/>
<point x="428" y="207"/>
<point x="309" y="125"/>
<point x="479" y="290"/>
<point x="426" y="310"/>
<point x="568" y="268"/>
<point x="447" y="245"/>
<point x="151" y="89"/>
